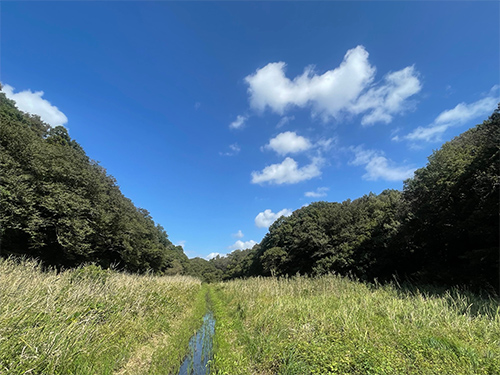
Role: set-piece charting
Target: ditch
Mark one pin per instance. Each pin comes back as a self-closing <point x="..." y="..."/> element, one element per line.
<point x="197" y="362"/>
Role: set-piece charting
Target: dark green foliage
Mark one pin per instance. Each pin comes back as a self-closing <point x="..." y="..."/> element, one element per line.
<point x="442" y="229"/>
<point x="204" y="270"/>
<point x="454" y="209"/>
<point x="348" y="237"/>
<point x="58" y="205"/>
<point x="239" y="263"/>
<point x="273" y="259"/>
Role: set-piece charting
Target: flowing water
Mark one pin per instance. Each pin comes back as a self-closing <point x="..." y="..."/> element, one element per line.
<point x="200" y="349"/>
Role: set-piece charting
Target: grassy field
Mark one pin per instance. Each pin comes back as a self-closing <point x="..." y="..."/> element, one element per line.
<point x="90" y="321"/>
<point x="332" y="325"/>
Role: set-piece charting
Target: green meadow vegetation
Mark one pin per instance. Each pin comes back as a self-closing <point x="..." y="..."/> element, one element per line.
<point x="334" y="325"/>
<point x="93" y="321"/>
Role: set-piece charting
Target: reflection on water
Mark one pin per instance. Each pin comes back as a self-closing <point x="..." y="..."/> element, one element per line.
<point x="200" y="349"/>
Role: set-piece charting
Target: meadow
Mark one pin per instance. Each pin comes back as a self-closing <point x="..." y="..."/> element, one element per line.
<point x="93" y="321"/>
<point x="333" y="325"/>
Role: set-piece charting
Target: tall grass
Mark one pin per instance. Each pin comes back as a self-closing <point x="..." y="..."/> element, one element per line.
<point x="91" y="321"/>
<point x="333" y="325"/>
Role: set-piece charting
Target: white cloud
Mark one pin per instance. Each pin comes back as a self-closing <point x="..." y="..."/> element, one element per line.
<point x="320" y="192"/>
<point x="362" y="156"/>
<point x="378" y="166"/>
<point x="457" y="116"/>
<point x="284" y="120"/>
<point x="266" y="218"/>
<point x="465" y="112"/>
<point x="427" y="133"/>
<point x="326" y="144"/>
<point x="242" y="245"/>
<point x="288" y="143"/>
<point x="33" y="103"/>
<point x="181" y="243"/>
<point x="388" y="99"/>
<point x="239" y="122"/>
<point x="347" y="89"/>
<point x="239" y="234"/>
<point x="235" y="149"/>
<point x="213" y="255"/>
<point x="287" y="172"/>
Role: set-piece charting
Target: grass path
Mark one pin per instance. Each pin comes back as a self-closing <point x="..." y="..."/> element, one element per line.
<point x="166" y="350"/>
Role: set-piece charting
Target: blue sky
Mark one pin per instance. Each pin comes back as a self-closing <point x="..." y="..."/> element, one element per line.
<point x="218" y="116"/>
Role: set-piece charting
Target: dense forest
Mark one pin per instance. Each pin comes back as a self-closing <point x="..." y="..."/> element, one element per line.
<point x="60" y="206"/>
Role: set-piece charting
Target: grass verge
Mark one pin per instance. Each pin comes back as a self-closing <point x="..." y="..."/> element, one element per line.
<point x="170" y="354"/>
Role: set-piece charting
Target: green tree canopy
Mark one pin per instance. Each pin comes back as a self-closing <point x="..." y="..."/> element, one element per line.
<point x="454" y="208"/>
<point x="58" y="205"/>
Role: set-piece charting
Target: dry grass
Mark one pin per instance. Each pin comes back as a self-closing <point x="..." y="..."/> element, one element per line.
<point x="88" y="321"/>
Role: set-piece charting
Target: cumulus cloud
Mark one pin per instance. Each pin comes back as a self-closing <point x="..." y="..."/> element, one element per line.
<point x="239" y="122"/>
<point x="266" y="218"/>
<point x="288" y="143"/>
<point x="287" y="172"/>
<point x="349" y="89"/>
<point x="377" y="166"/>
<point x="284" y="120"/>
<point x="320" y="192"/>
<point x="33" y="103"/>
<point x="390" y="98"/>
<point x="235" y="149"/>
<point x="457" y="116"/>
<point x="239" y="234"/>
<point x="242" y="245"/>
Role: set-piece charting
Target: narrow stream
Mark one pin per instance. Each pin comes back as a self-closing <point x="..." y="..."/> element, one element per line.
<point x="200" y="349"/>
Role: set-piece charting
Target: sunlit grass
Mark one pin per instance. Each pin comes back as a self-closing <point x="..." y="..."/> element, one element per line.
<point x="332" y="325"/>
<point x="91" y="321"/>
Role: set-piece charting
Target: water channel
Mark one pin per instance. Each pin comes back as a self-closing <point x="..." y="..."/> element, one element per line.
<point x="200" y="349"/>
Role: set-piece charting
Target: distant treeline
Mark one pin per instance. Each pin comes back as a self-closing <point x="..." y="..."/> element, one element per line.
<point x="442" y="228"/>
<point x="58" y="205"/>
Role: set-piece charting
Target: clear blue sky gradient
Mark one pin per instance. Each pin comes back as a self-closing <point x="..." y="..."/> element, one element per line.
<point x="150" y="89"/>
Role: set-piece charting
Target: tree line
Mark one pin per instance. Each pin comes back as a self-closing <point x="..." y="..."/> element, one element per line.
<point x="60" y="206"/>
<point x="442" y="228"/>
